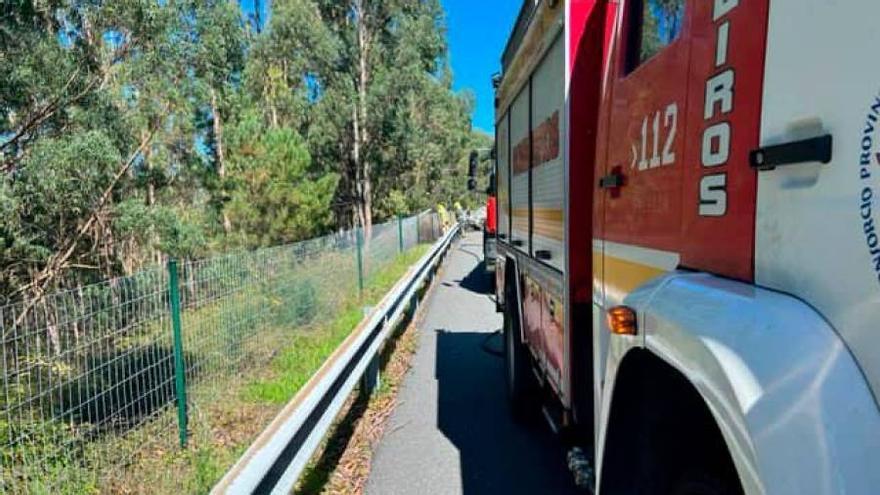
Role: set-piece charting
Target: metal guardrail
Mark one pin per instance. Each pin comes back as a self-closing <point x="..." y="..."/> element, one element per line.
<point x="275" y="461"/>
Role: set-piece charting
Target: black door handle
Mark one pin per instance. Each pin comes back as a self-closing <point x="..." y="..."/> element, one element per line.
<point x="611" y="181"/>
<point x="816" y="149"/>
<point x="543" y="254"/>
<point x="517" y="242"/>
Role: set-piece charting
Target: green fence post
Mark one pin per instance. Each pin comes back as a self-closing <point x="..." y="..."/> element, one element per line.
<point x="179" y="365"/>
<point x="360" y="259"/>
<point x="418" y="228"/>
<point x="400" y="232"/>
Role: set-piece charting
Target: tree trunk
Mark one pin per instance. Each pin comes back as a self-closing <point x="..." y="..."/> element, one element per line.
<point x="368" y="205"/>
<point x="219" y="155"/>
<point x="258" y="20"/>
<point x="362" y="137"/>
<point x="151" y="199"/>
<point x="356" y="162"/>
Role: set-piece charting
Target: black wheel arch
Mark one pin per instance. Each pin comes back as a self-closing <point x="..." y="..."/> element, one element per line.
<point x="660" y="430"/>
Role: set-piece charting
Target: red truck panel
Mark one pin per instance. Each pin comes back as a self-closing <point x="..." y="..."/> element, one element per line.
<point x="680" y="129"/>
<point x="720" y="238"/>
<point x="646" y="139"/>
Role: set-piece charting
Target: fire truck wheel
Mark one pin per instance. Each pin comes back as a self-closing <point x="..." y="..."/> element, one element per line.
<point x="521" y="383"/>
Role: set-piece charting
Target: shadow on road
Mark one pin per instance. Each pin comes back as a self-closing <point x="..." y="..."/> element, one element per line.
<point x="477" y="280"/>
<point x="497" y="455"/>
<point x="452" y="429"/>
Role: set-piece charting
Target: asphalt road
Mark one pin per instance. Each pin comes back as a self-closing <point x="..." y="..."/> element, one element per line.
<point x="452" y="432"/>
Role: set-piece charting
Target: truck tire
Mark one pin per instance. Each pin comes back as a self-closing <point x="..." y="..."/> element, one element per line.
<point x="521" y="383"/>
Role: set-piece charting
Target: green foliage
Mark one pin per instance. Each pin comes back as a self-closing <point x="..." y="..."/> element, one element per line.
<point x="62" y="470"/>
<point x="413" y="127"/>
<point x="208" y="469"/>
<point x="135" y="130"/>
<point x="53" y="183"/>
<point x="273" y="196"/>
<point x="49" y="198"/>
<point x="301" y="302"/>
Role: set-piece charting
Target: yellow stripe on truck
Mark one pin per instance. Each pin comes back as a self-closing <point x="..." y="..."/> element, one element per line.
<point x="548" y="221"/>
<point x="624" y="276"/>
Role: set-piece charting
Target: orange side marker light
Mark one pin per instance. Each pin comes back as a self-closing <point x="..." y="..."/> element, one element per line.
<point x="622" y="320"/>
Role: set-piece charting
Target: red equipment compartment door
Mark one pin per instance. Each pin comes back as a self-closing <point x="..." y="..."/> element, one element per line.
<point x="646" y="137"/>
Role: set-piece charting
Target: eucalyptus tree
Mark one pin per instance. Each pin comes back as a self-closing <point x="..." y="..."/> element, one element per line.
<point x="81" y="106"/>
<point x="391" y="59"/>
<point x="133" y="130"/>
<point x="217" y="51"/>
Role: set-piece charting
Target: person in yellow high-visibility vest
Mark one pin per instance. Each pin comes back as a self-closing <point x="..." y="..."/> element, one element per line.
<point x="444" y="218"/>
<point x="459" y="213"/>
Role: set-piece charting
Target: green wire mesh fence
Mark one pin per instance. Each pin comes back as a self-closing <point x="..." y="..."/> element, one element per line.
<point x="94" y="375"/>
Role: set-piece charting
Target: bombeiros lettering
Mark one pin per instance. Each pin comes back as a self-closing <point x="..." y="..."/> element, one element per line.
<point x="719" y="101"/>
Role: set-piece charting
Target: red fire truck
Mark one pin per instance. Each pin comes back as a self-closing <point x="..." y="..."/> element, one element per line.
<point x="490" y="229"/>
<point x="490" y="225"/>
<point x="689" y="271"/>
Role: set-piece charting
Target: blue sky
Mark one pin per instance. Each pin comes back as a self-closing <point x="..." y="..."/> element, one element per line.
<point x="478" y="31"/>
<point x="265" y="9"/>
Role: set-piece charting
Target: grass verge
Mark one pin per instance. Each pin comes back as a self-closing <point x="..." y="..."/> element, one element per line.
<point x="224" y="428"/>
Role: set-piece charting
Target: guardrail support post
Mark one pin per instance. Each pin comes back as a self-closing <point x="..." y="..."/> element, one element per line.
<point x="179" y="364"/>
<point x="400" y="232"/>
<point x="360" y="259"/>
<point x="414" y="306"/>
<point x="371" y="381"/>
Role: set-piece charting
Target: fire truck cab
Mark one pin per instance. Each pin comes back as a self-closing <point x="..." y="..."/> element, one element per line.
<point x="687" y="255"/>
